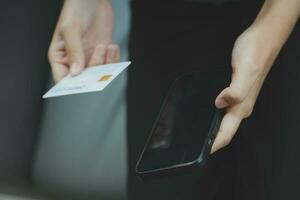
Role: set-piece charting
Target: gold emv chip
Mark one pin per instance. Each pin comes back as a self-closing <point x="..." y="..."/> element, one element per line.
<point x="105" y="78"/>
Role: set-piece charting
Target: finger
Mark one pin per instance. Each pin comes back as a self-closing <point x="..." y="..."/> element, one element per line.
<point x="220" y="101"/>
<point x="98" y="56"/>
<point x="60" y="44"/>
<point x="58" y="68"/>
<point x="74" y="49"/>
<point x="118" y="55"/>
<point x="113" y="54"/>
<point x="64" y="60"/>
<point x="59" y="71"/>
<point x="228" y="128"/>
<point x="242" y="81"/>
<point x="60" y="54"/>
<point x="60" y="57"/>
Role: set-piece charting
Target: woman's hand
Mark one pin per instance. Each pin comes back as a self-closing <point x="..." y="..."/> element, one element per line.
<point x="253" y="55"/>
<point x="251" y="62"/>
<point x="83" y="37"/>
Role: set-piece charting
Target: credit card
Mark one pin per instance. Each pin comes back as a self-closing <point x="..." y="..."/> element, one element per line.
<point x="91" y="79"/>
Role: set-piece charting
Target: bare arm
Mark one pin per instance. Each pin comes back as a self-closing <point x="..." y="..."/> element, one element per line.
<point x="277" y="18"/>
<point x="253" y="55"/>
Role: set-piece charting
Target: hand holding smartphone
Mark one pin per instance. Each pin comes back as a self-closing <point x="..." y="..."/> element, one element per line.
<point x="183" y="134"/>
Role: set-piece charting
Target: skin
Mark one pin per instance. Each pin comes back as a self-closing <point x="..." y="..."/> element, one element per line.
<point x="252" y="57"/>
<point x="83" y="38"/>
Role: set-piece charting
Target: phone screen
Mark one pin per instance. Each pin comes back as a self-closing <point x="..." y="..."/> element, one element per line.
<point x="184" y="121"/>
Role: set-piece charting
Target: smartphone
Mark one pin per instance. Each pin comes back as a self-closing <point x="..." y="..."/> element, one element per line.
<point x="186" y="126"/>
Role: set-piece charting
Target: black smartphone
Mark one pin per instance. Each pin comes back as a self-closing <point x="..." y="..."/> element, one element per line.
<point x="186" y="126"/>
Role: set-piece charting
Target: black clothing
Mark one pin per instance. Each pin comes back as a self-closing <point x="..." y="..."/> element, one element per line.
<point x="171" y="38"/>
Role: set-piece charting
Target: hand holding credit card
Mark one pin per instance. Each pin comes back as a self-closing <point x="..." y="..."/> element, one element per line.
<point x="91" y="79"/>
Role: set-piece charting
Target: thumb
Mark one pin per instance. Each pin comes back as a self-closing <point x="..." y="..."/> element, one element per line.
<point x="242" y="81"/>
<point x="74" y="48"/>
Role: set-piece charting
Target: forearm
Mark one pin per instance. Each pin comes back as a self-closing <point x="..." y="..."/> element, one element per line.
<point x="276" y="21"/>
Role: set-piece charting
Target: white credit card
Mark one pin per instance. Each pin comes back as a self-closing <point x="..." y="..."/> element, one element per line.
<point x="91" y="79"/>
